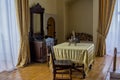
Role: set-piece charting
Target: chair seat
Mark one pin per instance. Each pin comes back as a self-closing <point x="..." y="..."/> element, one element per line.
<point x="63" y="63"/>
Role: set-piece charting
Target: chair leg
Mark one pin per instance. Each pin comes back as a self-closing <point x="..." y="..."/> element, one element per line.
<point x="54" y="75"/>
<point x="70" y="74"/>
<point x="84" y="74"/>
<point x="90" y="67"/>
<point x="48" y="59"/>
<point x="83" y="71"/>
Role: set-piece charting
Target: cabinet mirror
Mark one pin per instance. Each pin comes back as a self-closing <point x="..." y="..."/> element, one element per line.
<point x="36" y="22"/>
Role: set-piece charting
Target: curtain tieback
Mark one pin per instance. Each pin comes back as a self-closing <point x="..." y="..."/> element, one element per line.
<point x="25" y="37"/>
<point x="101" y="35"/>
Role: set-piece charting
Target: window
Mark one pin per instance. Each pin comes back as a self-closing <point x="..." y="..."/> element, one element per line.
<point x="9" y="36"/>
<point x="113" y="37"/>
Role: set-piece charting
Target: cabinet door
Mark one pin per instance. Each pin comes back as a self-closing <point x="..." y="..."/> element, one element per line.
<point x="39" y="51"/>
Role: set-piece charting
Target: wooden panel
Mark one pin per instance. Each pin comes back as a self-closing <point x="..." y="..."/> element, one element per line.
<point x="39" y="51"/>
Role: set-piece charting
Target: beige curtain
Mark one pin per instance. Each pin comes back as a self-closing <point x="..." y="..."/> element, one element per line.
<point x="23" y="22"/>
<point x="106" y="8"/>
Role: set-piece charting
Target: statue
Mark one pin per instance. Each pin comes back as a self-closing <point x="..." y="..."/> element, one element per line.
<point x="73" y="39"/>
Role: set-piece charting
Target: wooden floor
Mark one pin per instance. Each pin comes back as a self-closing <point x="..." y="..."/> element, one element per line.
<point x="38" y="71"/>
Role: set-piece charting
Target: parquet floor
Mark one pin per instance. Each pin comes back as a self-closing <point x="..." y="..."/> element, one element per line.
<point x="40" y="71"/>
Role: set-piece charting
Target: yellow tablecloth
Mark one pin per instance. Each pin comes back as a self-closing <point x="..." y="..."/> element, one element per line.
<point x="81" y="53"/>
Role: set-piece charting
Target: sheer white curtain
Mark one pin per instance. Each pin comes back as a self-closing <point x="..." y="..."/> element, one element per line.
<point x="9" y="36"/>
<point x="113" y="37"/>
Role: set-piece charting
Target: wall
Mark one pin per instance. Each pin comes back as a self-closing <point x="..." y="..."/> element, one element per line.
<point x="60" y="21"/>
<point x="66" y="19"/>
<point x="80" y="16"/>
<point x="95" y="19"/>
<point x="82" y="13"/>
<point x="49" y="5"/>
<point x="56" y="9"/>
<point x="50" y="10"/>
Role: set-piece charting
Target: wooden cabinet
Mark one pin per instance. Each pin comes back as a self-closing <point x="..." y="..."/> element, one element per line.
<point x="38" y="51"/>
<point x="37" y="47"/>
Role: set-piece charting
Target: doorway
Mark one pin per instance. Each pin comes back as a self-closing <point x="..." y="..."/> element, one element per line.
<point x="51" y="27"/>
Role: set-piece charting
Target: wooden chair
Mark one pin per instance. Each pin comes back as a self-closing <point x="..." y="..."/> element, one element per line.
<point x="114" y="75"/>
<point x="49" y="43"/>
<point x="61" y="67"/>
<point x="48" y="54"/>
<point x="114" y="59"/>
